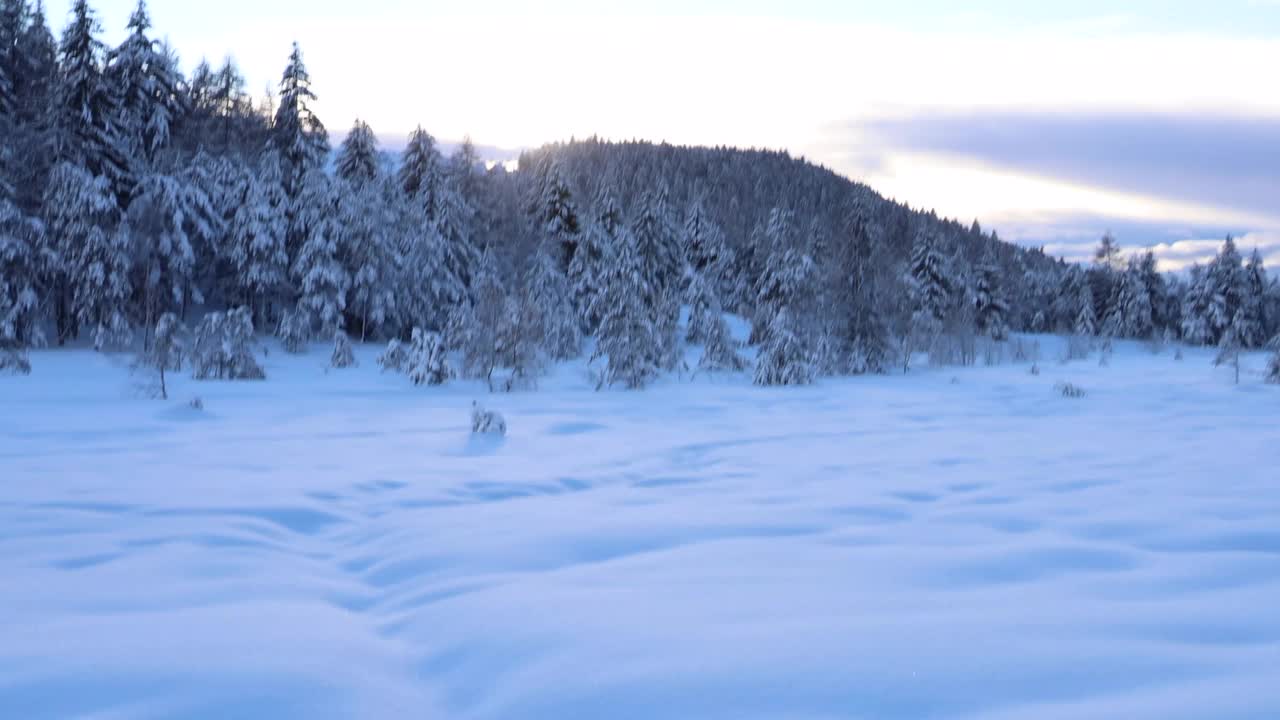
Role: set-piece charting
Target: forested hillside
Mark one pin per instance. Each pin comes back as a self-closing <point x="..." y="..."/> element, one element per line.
<point x="132" y="196"/>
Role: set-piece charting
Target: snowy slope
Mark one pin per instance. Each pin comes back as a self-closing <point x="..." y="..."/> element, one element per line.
<point x="956" y="543"/>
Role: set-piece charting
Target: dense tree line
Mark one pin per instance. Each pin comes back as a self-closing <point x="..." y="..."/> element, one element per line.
<point x="133" y="197"/>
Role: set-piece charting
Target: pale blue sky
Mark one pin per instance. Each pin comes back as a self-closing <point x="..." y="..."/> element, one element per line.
<point x="1049" y="121"/>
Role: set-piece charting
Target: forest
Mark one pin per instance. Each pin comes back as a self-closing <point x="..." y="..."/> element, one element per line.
<point x="136" y="201"/>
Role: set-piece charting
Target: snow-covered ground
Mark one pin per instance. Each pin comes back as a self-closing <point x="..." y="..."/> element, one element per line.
<point x="954" y="543"/>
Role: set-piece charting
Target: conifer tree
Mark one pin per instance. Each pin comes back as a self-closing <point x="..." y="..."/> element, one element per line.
<point x="20" y="294"/>
<point x="257" y="249"/>
<point x="147" y="85"/>
<point x="300" y="142"/>
<point x="548" y="299"/>
<point x="627" y="337"/>
<point x="86" y="107"/>
<point x="991" y="310"/>
<point x="555" y="215"/>
<point x="590" y="265"/>
<point x="420" y="171"/>
<point x="357" y="161"/>
<point x="785" y="358"/>
<point x="1086" y="321"/>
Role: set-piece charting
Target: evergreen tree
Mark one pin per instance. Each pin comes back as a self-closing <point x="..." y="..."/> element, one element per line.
<point x="991" y="311"/>
<point x="147" y="86"/>
<point x="86" y="261"/>
<point x="343" y="356"/>
<point x="428" y="364"/>
<point x="1196" y="304"/>
<point x="720" y="350"/>
<point x="1253" y="319"/>
<point x="164" y="261"/>
<point x="590" y="265"/>
<point x="20" y="295"/>
<point x="930" y="291"/>
<point x="704" y="309"/>
<point x="1086" y="321"/>
<point x="318" y="271"/>
<point x="1131" y="312"/>
<point x="420" y="172"/>
<point x="86" y="107"/>
<point x="555" y="216"/>
<point x="357" y="161"/>
<point x="785" y="358"/>
<point x="299" y="141"/>
<point x="705" y="249"/>
<point x="222" y="347"/>
<point x="257" y="251"/>
<point x="482" y="341"/>
<point x="370" y="258"/>
<point x="548" y="299"/>
<point x="627" y="336"/>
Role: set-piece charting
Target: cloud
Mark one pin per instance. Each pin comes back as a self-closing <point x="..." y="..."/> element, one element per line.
<point x="1221" y="161"/>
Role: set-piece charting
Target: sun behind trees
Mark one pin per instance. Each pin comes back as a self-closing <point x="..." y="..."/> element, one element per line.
<point x="129" y="193"/>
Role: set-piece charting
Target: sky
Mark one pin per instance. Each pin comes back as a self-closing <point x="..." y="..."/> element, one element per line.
<point x="1050" y="122"/>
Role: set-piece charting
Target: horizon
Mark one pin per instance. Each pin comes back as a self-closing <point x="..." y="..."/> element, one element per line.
<point x="1146" y="124"/>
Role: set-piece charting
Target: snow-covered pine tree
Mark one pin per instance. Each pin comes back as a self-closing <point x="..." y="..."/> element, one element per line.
<point x="590" y="265"/>
<point x="420" y="171"/>
<point x="318" y="272"/>
<point x="343" y="356"/>
<point x="32" y="140"/>
<point x="395" y="358"/>
<point x="705" y="248"/>
<point x="1225" y="282"/>
<point x="1273" y="365"/>
<point x="370" y="257"/>
<point x="147" y="87"/>
<point x="704" y="308"/>
<point x="930" y="288"/>
<point x="720" y="350"/>
<point x="548" y="299"/>
<point x="1253" y="296"/>
<point x="627" y="337"/>
<point x="454" y="219"/>
<point x="20" y="295"/>
<point x="1196" y="303"/>
<point x="1131" y="312"/>
<point x="257" y="247"/>
<point x="12" y="19"/>
<point x="485" y="313"/>
<point x="555" y="215"/>
<point x="222" y="347"/>
<point x="1157" y="290"/>
<point x="785" y="358"/>
<point x="1231" y="344"/>
<point x="357" y="161"/>
<point x="1086" y="321"/>
<point x="428" y="363"/>
<point x="90" y="256"/>
<point x="86" y="107"/>
<point x="164" y="353"/>
<point x="991" y="310"/>
<point x="299" y="140"/>
<point x="164" y="261"/>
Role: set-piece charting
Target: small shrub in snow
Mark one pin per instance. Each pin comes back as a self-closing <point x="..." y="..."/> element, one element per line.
<point x="223" y="348"/>
<point x="487" y="422"/>
<point x="343" y="355"/>
<point x="395" y="358"/>
<point x="14" y="361"/>
<point x="294" y="331"/>
<point x="165" y="354"/>
<point x="1070" y="391"/>
<point x="720" y="351"/>
<point x="1035" y="368"/>
<point x="196" y="403"/>
<point x="427" y="362"/>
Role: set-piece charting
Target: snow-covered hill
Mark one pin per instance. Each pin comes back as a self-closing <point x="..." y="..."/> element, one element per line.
<point x="333" y="544"/>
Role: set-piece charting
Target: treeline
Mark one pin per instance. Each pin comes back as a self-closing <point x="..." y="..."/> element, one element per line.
<point x="131" y="194"/>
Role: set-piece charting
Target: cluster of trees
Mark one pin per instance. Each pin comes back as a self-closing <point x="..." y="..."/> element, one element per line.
<point x="133" y="199"/>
